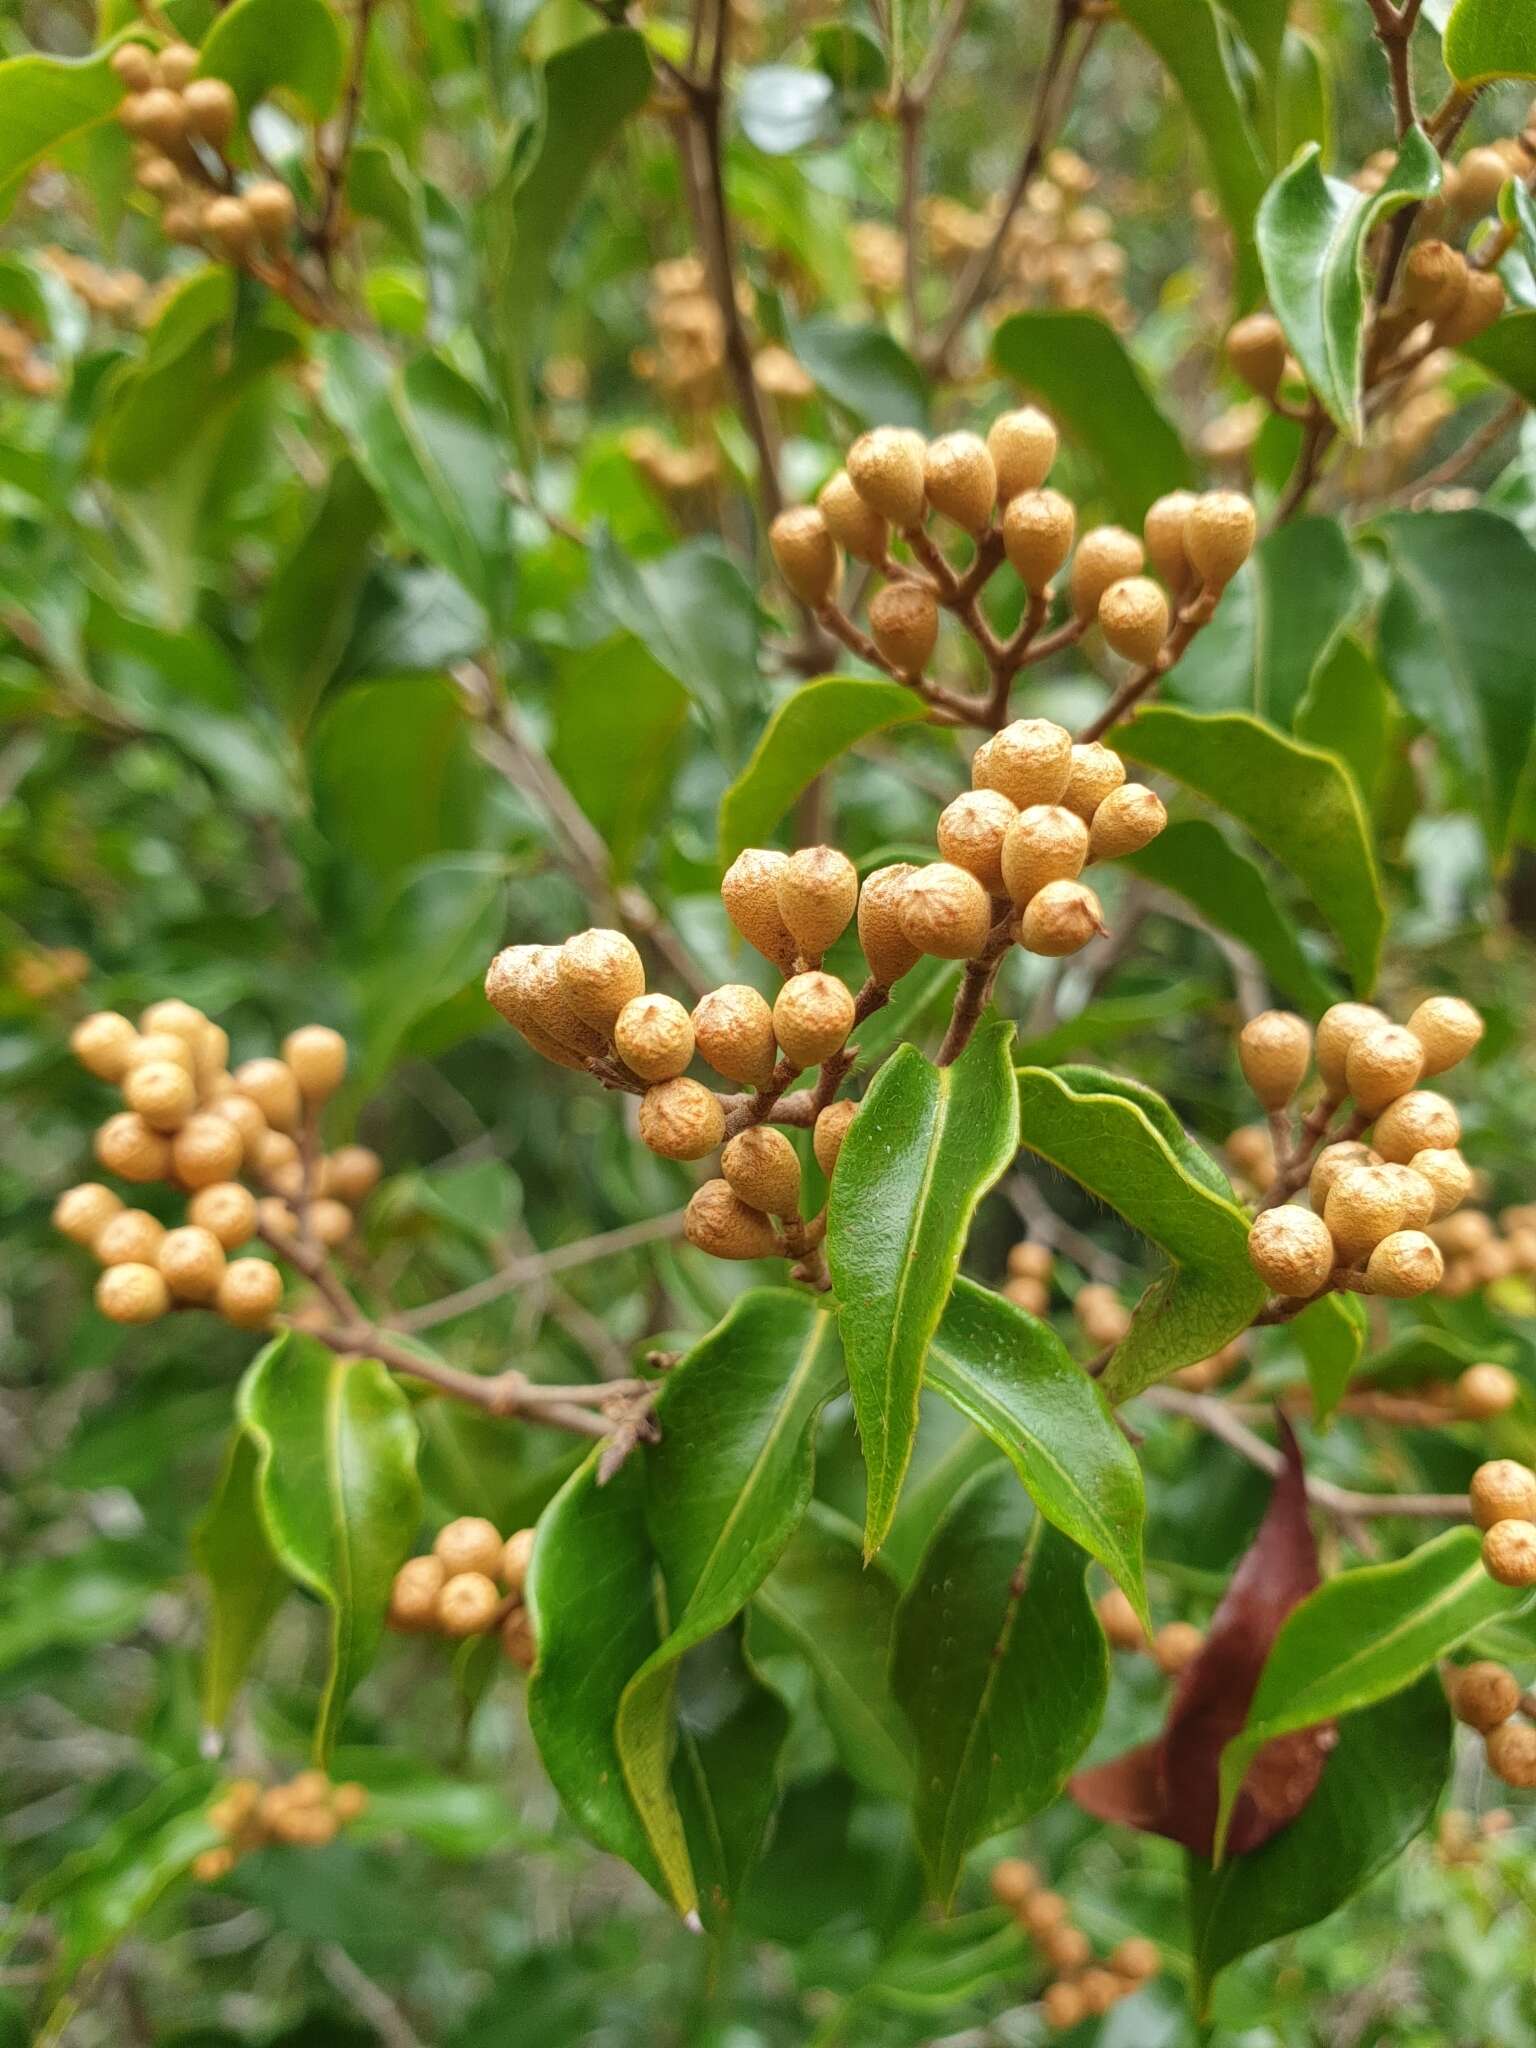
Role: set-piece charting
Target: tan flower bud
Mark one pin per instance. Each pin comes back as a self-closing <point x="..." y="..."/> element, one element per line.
<point x="1061" y="918"/>
<point x="806" y="554"/>
<point x="719" y="1222"/>
<point x="1133" y="617"/>
<point x="750" y="893"/>
<point x="1012" y="1882"/>
<point x="733" y="1030"/>
<point x="1042" y="1913"/>
<point x="1484" y="1695"/>
<point x="1291" y="1250"/>
<point x="134" y="66"/>
<point x="1511" y="1750"/>
<point x="82" y="1213"/>
<point x="904" y="621"/>
<point x="1434" y="276"/>
<point x="328" y="1221"/>
<point x="1027" y="1260"/>
<point x="1448" y="1029"/>
<point x="103" y="1041"/>
<point x="352" y="1174"/>
<point x="654" y="1037"/>
<point x="157" y="1048"/>
<point x="206" y="1149"/>
<point x="176" y="65"/>
<point x="960" y="479"/>
<point x="681" y="1119"/>
<point x="1363" y="1206"/>
<point x="1448" y="1175"/>
<point x="1176" y="1646"/>
<point x="945" y="911"/>
<point x="817" y="891"/>
<point x="1382" y="1065"/>
<point x="1104" y="555"/>
<point x="1030" y="761"/>
<point x="276" y="1158"/>
<point x="467" y="1603"/>
<point x="1032" y="1296"/>
<point x="1125" y="821"/>
<point x="1037" y="536"/>
<point x="888" y="952"/>
<point x="1509" y="1555"/>
<point x="155" y="116"/>
<point x="1022" y="445"/>
<point x="130" y="1238"/>
<point x="471" y="1543"/>
<point x="1418" y="1196"/>
<point x="812" y="1017"/>
<point x="523" y="982"/>
<point x="1045" y="843"/>
<point x="274" y="1090"/>
<point x="1275" y="1049"/>
<point x="887" y="469"/>
<point x="1503" y="1491"/>
<point x="211" y="110"/>
<point x="191" y="1262"/>
<point x="1256" y="352"/>
<point x="1331" y="1162"/>
<point x="763" y="1168"/>
<point x="1117" y="1618"/>
<point x="1420" y="1121"/>
<point x="132" y="1294"/>
<point x="249" y="1293"/>
<point x="599" y="972"/>
<point x="1250" y="1152"/>
<point x="276" y="1218"/>
<point x="1337" y="1030"/>
<point x="273" y="208"/>
<point x="517" y="1639"/>
<point x="228" y="223"/>
<point x="1480" y="178"/>
<point x="855" y="526"/>
<point x="165" y="1095"/>
<point x="239" y="1110"/>
<point x="180" y="1019"/>
<point x="830" y="1130"/>
<point x="1404" y="1264"/>
<point x="1136" y="1959"/>
<point x="517" y="1559"/>
<point x="1463" y="1234"/>
<point x="1484" y="1391"/>
<point x="226" y="1209"/>
<point x="1096" y="770"/>
<point x="1163" y="531"/>
<point x="1219" y="535"/>
<point x="316" y="1056"/>
<point x="971" y="831"/>
<point x="1101" y="1315"/>
<point x="1066" y="1950"/>
<point x="130" y="1148"/>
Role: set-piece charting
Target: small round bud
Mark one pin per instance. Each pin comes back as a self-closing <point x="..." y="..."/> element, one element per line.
<point x="413" y="1595"/>
<point x="1334" y="1160"/>
<point x="272" y="207"/>
<point x="1176" y="1646"/>
<point x="191" y="1262"/>
<point x="1484" y="1695"/>
<point x="1363" y="1206"/>
<point x="1163" y="531"/>
<point x="1250" y="1152"/>
<point x="103" y="1041"/>
<point x="1031" y="1261"/>
<point x="134" y="66"/>
<point x="1101" y="1315"/>
<point x="1482" y="300"/>
<point x="517" y="1642"/>
<point x="1136" y="1959"/>
<point x="1382" y="1065"/>
<point x="226" y="1209"/>
<point x="276" y="1157"/>
<point x="855" y="526"/>
<point x="749" y="890"/>
<point x="274" y="1090"/>
<point x="211" y="109"/>
<point x="1337" y="1030"/>
<point x="654" y="1037"/>
<point x="316" y="1056"/>
<point x="719" y="1222"/>
<point x="806" y="554"/>
<point x="733" y="1030"/>
<point x="168" y="1031"/>
<point x="1448" y="1029"/>
<point x="763" y="1167"/>
<point x="887" y="469"/>
<point x="960" y="480"/>
<point x="132" y="1293"/>
<point x="1420" y="1121"/>
<point x="351" y="1174"/>
<point x="349" y="1800"/>
<point x="1275" y="1049"/>
<point x="945" y="911"/>
<point x="1503" y="1490"/>
<point x="467" y="1603"/>
<point x="1104" y="555"/>
<point x="888" y="952"/>
<point x="812" y="1017"/>
<point x="211" y="1866"/>
<point x="830" y="1130"/>
<point x="328" y="1222"/>
<point x="1030" y="762"/>
<point x="1045" y="843"/>
<point x="1095" y="771"/>
<point x="1480" y="178"/>
<point x="1067" y="1949"/>
<point x="155" y="116"/>
<point x="130" y="1238"/>
<point x="1133" y="617"/>
<point x="1404" y="1264"/>
<point x="523" y="983"/>
<point x="1291" y="1250"/>
<point x="239" y="1110"/>
<point x="904" y="621"/>
<point x="1434" y="276"/>
<point x="1511" y="1750"/>
<point x="205" y="1150"/>
<point x="276" y="1218"/>
<point x="227" y="223"/>
<point x="971" y="832"/>
<point x="681" y="1119"/>
<point x="469" y="1544"/>
<point x="176" y="64"/>
<point x="1256" y="352"/>
<point x="82" y="1213"/>
<point x="1042" y="1913"/>
<point x="1125" y="821"/>
<point x="1012" y="1881"/>
<point x="1418" y="1197"/>
<point x="163" y="1094"/>
<point x="1219" y="535"/>
<point x="599" y="972"/>
<point x="1117" y="1618"/>
<point x="1484" y="1391"/>
<point x="249" y="1293"/>
<point x="1061" y="918"/>
<point x="817" y="891"/>
<point x="1509" y="1548"/>
<point x="1063" y="2005"/>
<point x="1037" y="536"/>
<point x="1032" y="1296"/>
<point x="1022" y="445"/>
<point x="127" y="1146"/>
<point x="517" y="1559"/>
<point x="1099" y="1990"/>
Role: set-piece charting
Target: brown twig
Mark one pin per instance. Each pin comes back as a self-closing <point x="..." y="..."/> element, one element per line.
<point x="975" y="989"/>
<point x="536" y="1266"/>
<point x="335" y="159"/>
<point x="1197" y="613"/>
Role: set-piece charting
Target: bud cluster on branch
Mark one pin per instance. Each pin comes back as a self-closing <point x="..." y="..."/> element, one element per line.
<point x="306" y="1812"/>
<point x="1078" y="1987"/>
<point x="470" y="1582"/>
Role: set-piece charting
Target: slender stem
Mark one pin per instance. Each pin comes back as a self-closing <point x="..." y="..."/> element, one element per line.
<point x="335" y="159"/>
<point x="1316" y="440"/>
<point x="538" y="1266"/>
<point x="1197" y="613"/>
<point x="1466" y="457"/>
<point x="975" y="988"/>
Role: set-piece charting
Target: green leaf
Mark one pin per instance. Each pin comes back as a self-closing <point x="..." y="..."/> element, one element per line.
<point x="406" y="734"/>
<point x="1455" y="643"/>
<point x="261" y="46"/>
<point x="1489" y="39"/>
<point x="1362" y="1636"/>
<point x="1299" y="803"/>
<point x="1378" y="1792"/>
<point x="730" y="1730"/>
<point x="618" y="687"/>
<point x="1192" y="1156"/>
<point x="806" y="734"/>
<point x="1013" y="1377"/>
<point x="1193" y="859"/>
<point x="862" y="369"/>
<point x="1079" y="367"/>
<point x="1332" y="1334"/>
<point x="46" y="103"/>
<point x="245" y="1582"/>
<point x="1109" y="1144"/>
<point x="1507" y="350"/>
<point x="338" y="1493"/>
<point x="1348" y="711"/>
<point x="1312" y="232"/>
<point x="425" y="947"/>
<point x="1000" y="1666"/>
<point x="926" y="1145"/>
<point x="310" y="604"/>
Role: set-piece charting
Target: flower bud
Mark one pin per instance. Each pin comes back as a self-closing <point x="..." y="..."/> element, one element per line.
<point x="1511" y="1750"/>
<point x="1448" y="1029"/>
<point x="413" y="1596"/>
<point x="1176" y="1646"/>
<point x="1337" y="1030"/>
<point x="733" y="1030"/>
<point x="155" y="116"/>
<point x="1027" y="1260"/>
<point x="1417" y="1194"/>
<point x="211" y="110"/>
<point x="1133" y="617"/>
<point x="82" y="1213"/>
<point x="960" y="480"/>
<point x="134" y="65"/>
<point x="1125" y="821"/>
<point x="1219" y="535"/>
<point x="248" y="1121"/>
<point x="191" y="1262"/>
<point x="159" y="1048"/>
<point x="1419" y="1121"/>
<point x="274" y="1090"/>
<point x="599" y="972"/>
<point x="328" y="1221"/>
<point x="103" y="1041"/>
<point x="228" y="224"/>
<point x="812" y="1017"/>
<point x="517" y="1639"/>
<point x="1256" y="352"/>
<point x="1333" y="1161"/>
<point x="1045" y="843"/>
<point x="206" y="1149"/>
<point x="1096" y="770"/>
<point x="316" y="1056"/>
<point x="750" y="893"/>
<point x="163" y="1094"/>
<point x="887" y="469"/>
<point x="817" y="891"/>
<point x="469" y="1544"/>
<point x="1117" y="1618"/>
<point x="1448" y="1174"/>
<point x="945" y="911"/>
<point x="1022" y="445"/>
<point x="272" y="207"/>
<point x="523" y="983"/>
<point x="1480" y="178"/>
<point x="1030" y="761"/>
<point x="1163" y="531"/>
<point x="467" y="1604"/>
<point x="352" y="1174"/>
<point x="1012" y="1881"/>
<point x="719" y="1222"/>
<point x="1484" y="1695"/>
<point x="1066" y="1950"/>
<point x="653" y="1035"/>
<point x="1404" y="1264"/>
<point x="1100" y="1314"/>
<point x="904" y="621"/>
<point x="1363" y="1206"/>
<point x="130" y="1238"/>
<point x="888" y="952"/>
<point x="763" y="1167"/>
<point x="517" y="1559"/>
<point x="1030" y="1295"/>
<point x="1275" y="1049"/>
<point x="176" y="64"/>
<point x="1061" y="918"/>
<point x="1250" y="1151"/>
<point x="127" y="1146"/>
<point x="1104" y="555"/>
<point x="1484" y="1391"/>
<point x="132" y="1294"/>
<point x="1381" y="1065"/>
<point x="1503" y="1491"/>
<point x="1291" y="1250"/>
<point x="853" y="525"/>
<point x="806" y="555"/>
<point x="1037" y="536"/>
<point x="681" y="1119"/>
<point x="226" y="1209"/>
<point x="971" y="831"/>
<point x="1509" y="1555"/>
<point x="1434" y="276"/>
<point x="830" y="1130"/>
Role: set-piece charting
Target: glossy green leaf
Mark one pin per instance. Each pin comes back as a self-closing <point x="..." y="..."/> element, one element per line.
<point x="1312" y="235"/>
<point x="1012" y="1376"/>
<point x="864" y="371"/>
<point x="1110" y="1020"/>
<point x="263" y="46"/>
<point x="1079" y="368"/>
<point x="1000" y="1666"/>
<point x="1507" y="350"/>
<point x="1455" y="644"/>
<point x="1489" y="39"/>
<point x="311" y="602"/>
<point x="927" y="1144"/>
<point x="1348" y="710"/>
<point x="1299" y="803"/>
<point x="338" y="1493"/>
<point x="618" y="687"/>
<point x="1109" y="1144"/>
<point x="406" y="734"/>
<point x="731" y="1728"/>
<point x="808" y="732"/>
<point x="46" y="103"/>
<point x="245" y="1583"/>
<point x="1332" y="1334"/>
<point x="1362" y="1636"/>
<point x="1303" y="97"/>
<point x="1190" y="1154"/>
<point x="424" y="948"/>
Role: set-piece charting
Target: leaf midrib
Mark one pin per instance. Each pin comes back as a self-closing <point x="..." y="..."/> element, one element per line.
<point x="1018" y="1587"/>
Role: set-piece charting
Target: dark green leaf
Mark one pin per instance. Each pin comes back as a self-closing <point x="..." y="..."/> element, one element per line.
<point x="263" y="45"/>
<point x="46" y="102"/>
<point x="427" y="946"/>
<point x="1507" y="350"/>
<point x="245" y="1582"/>
<point x="407" y="735"/>
<point x="725" y="1782"/>
<point x="863" y="370"/>
<point x="1489" y="39"/>
<point x="617" y="687"/>
<point x="1348" y="711"/>
<point x="311" y="602"/>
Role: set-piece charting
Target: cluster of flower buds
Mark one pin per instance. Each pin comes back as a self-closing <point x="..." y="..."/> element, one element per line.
<point x="1481" y="1253"/>
<point x="1503" y="1495"/>
<point x="189" y="1123"/>
<point x="1460" y="1840"/>
<point x="21" y="367"/>
<point x="1175" y="1646"/>
<point x="40" y="974"/>
<point x="116" y="294"/>
<point x="471" y="1581"/>
<point x="305" y="1813"/>
<point x="1028" y="1281"/>
<point x="1060" y="249"/>
<point x="183" y="125"/>
<point x="1101" y="1315"/>
<point x="687" y="359"/>
<point x="1079" y="1988"/>
<point x="1488" y="1697"/>
<point x="1372" y="1205"/>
